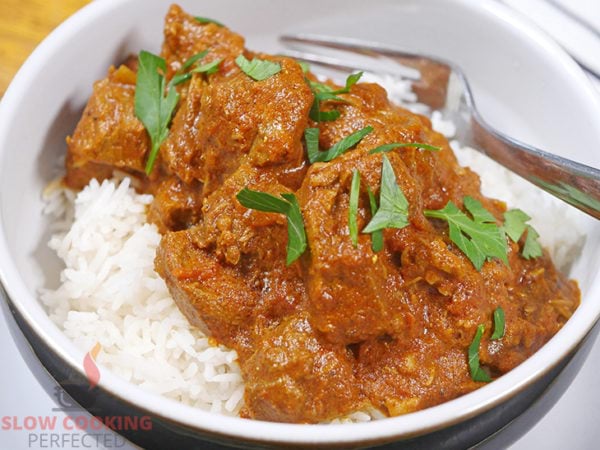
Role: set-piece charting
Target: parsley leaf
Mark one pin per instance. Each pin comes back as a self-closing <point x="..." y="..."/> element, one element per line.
<point x="515" y="225"/>
<point x="478" y="238"/>
<point x="182" y="75"/>
<point x="192" y="60"/>
<point x="323" y="92"/>
<point x="350" y="81"/>
<point x="499" y="324"/>
<point x="376" y="236"/>
<point x="532" y="248"/>
<point x="262" y="201"/>
<point x="304" y="66"/>
<point x="393" y="206"/>
<point x="388" y="147"/>
<point x="257" y="69"/>
<point x="179" y="78"/>
<point x="208" y="68"/>
<point x="312" y="144"/>
<point x="324" y="116"/>
<point x="353" y="208"/>
<point x="206" y="20"/>
<point x="477" y="373"/>
<point x="152" y="107"/>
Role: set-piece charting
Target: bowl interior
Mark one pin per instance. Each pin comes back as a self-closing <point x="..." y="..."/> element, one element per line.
<point x="522" y="82"/>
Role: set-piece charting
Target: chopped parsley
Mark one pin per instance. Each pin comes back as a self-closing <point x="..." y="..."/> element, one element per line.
<point x="152" y="107"/>
<point x="479" y="237"/>
<point x="312" y="144"/>
<point x="499" y="324"/>
<point x="323" y="93"/>
<point x="515" y="224"/>
<point x="184" y="74"/>
<point x="324" y="116"/>
<point x="393" y="206"/>
<point x="477" y="373"/>
<point x="258" y="69"/>
<point x="531" y="248"/>
<point x="288" y="206"/>
<point x="388" y="147"/>
<point x="208" y="68"/>
<point x="205" y="20"/>
<point x="304" y="66"/>
<point x="353" y="208"/>
<point x="376" y="236"/>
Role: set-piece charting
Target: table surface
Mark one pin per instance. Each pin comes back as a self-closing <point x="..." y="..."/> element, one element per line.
<point x="23" y="24"/>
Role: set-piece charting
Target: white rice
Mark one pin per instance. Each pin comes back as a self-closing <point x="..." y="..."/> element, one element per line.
<point x="110" y="293"/>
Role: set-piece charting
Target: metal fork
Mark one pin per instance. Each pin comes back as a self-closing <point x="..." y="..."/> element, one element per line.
<point x="442" y="86"/>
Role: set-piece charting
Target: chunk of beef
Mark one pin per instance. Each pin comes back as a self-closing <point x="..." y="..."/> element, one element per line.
<point x="109" y="136"/>
<point x="185" y="36"/>
<point x="355" y="293"/>
<point x="244" y="246"/>
<point x="233" y="119"/>
<point x="293" y="376"/>
<point x="213" y="297"/>
<point x="401" y="376"/>
<point x="176" y="205"/>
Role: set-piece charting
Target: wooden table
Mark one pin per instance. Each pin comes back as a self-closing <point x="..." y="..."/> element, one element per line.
<point x="23" y="24"/>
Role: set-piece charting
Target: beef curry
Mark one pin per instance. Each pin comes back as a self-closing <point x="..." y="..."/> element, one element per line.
<point x="347" y="324"/>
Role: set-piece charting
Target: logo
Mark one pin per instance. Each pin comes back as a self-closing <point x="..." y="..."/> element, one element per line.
<point x="89" y="366"/>
<point x="81" y="423"/>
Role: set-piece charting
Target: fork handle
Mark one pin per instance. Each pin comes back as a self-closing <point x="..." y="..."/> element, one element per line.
<point x="572" y="182"/>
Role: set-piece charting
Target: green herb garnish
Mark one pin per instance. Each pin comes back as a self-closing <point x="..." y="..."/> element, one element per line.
<point x="323" y="92"/>
<point x="312" y="144"/>
<point x="532" y="248"/>
<point x="515" y="224"/>
<point x="183" y="74"/>
<point x="393" y="206"/>
<point x="388" y="147"/>
<point x="479" y="238"/>
<point x="152" y="107"/>
<point x="208" y="20"/>
<point x="499" y="324"/>
<point x="257" y="69"/>
<point x="477" y="373"/>
<point x="326" y="116"/>
<point x="288" y="206"/>
<point x="304" y="66"/>
<point x="376" y="236"/>
<point x="208" y="68"/>
<point x="353" y="208"/>
<point x="192" y="60"/>
<point x="326" y="92"/>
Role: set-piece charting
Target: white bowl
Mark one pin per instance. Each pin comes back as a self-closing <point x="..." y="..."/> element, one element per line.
<point x="523" y="82"/>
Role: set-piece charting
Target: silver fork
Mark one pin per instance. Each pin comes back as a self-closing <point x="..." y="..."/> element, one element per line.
<point x="442" y="86"/>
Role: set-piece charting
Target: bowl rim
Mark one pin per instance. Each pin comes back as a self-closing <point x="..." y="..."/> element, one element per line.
<point x="402" y="427"/>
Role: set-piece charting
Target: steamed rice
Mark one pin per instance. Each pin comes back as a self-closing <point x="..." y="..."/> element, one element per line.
<point x="110" y="293"/>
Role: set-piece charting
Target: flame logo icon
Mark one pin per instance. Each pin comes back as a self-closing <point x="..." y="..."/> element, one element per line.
<point x="89" y="366"/>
